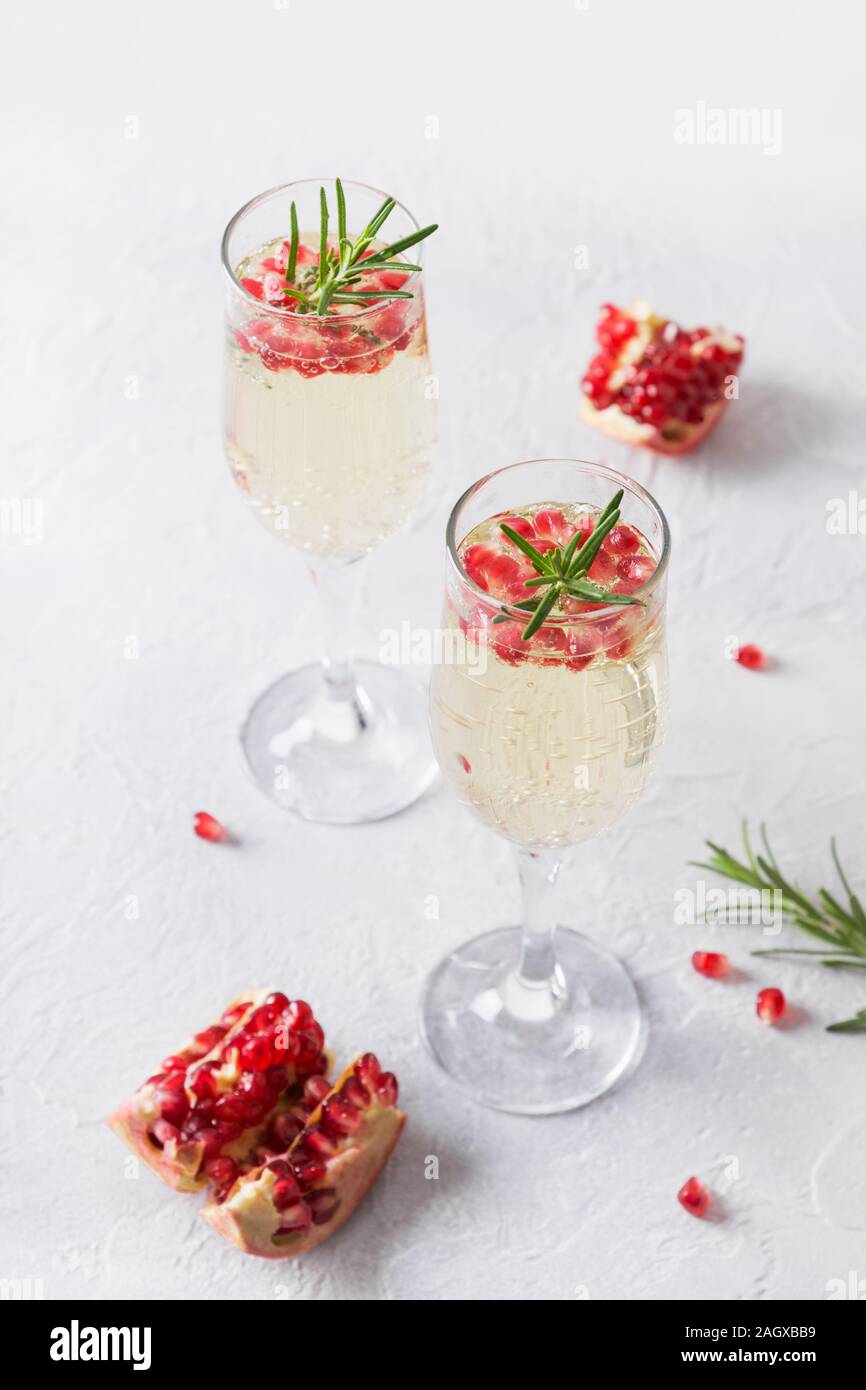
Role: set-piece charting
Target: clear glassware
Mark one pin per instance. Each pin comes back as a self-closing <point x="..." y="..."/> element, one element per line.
<point x="548" y="743"/>
<point x="330" y="424"/>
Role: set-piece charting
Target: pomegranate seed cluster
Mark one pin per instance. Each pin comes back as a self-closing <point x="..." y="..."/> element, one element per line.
<point x="263" y="1053"/>
<point x="674" y="375"/>
<point x="301" y="1193"/>
<point x="622" y="565"/>
<point x="341" y="342"/>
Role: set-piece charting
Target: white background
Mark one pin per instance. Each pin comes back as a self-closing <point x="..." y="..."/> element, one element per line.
<point x="526" y="131"/>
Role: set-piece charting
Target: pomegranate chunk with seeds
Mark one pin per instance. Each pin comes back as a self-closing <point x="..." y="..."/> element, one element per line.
<point x="213" y="1100"/>
<point x="655" y="384"/>
<point x="694" y="1197"/>
<point x="770" y="1005"/>
<point x="713" y="964"/>
<point x="287" y="1153"/>
<point x="293" y="1203"/>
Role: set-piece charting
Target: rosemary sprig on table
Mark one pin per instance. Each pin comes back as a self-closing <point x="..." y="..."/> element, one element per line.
<point x="842" y="930"/>
<point x="563" y="571"/>
<point x="341" y="269"/>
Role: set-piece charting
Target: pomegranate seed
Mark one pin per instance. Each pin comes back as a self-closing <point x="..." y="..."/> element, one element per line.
<point x="694" y="1196"/>
<point x="286" y="1191"/>
<point x="521" y="526"/>
<point x="309" y="1171"/>
<point x="581" y="645"/>
<point x="175" y="1063"/>
<point x="465" y="764"/>
<point x="367" y="1068"/>
<point x="476" y="558"/>
<point x="256" y="1054"/>
<point x="551" y="524"/>
<point x="282" y="1129"/>
<point x="770" y="1005"/>
<point x="636" y="569"/>
<point x="386" y="1088"/>
<point x="751" y="657"/>
<point x="232" y="1014"/>
<point x="357" y="1093"/>
<point x="711" y="963"/>
<point x="298" y="1218"/>
<point x="621" y="540"/>
<point x="165" y="1133"/>
<point x="175" y="1109"/>
<point x="340" y="1116"/>
<point x="319" y="1141"/>
<point x="315" y="1089"/>
<point x="203" y="1083"/>
<point x="208" y="1039"/>
<point x="323" y="1204"/>
<point x="299" y="1014"/>
<point x="276" y="1001"/>
<point x="221" y="1171"/>
<point x="281" y="1167"/>
<point x="207" y="827"/>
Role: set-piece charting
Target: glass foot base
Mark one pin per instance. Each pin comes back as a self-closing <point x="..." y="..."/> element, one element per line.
<point x="580" y="1039"/>
<point x="337" y="760"/>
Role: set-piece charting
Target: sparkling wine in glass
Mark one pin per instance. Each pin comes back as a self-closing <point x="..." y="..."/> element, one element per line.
<point x="330" y="423"/>
<point x="548" y="739"/>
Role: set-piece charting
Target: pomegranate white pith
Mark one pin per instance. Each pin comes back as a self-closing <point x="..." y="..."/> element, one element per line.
<point x="656" y="385"/>
<point x="293" y="1203"/>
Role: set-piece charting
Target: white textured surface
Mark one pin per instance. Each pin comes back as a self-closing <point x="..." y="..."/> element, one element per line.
<point x="554" y="130"/>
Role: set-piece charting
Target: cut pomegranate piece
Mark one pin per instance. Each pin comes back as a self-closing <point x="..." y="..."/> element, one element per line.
<point x="711" y="963"/>
<point x="751" y="657"/>
<point x="694" y="1196"/>
<point x="295" y="1202"/>
<point x="212" y="1103"/>
<point x="770" y="1005"/>
<point x="207" y="827"/>
<point x="654" y="384"/>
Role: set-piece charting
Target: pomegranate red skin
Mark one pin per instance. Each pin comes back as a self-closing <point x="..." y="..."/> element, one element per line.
<point x="250" y="1217"/>
<point x="648" y="437"/>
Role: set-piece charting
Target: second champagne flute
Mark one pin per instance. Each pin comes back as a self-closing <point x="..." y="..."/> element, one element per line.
<point x="330" y="422"/>
<point x="545" y="722"/>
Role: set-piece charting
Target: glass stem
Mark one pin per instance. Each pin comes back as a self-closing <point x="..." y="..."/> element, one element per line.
<point x="337" y="588"/>
<point x="535" y="989"/>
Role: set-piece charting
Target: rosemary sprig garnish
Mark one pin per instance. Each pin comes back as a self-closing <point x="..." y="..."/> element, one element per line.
<point x="341" y="269"/>
<point x="843" y="930"/>
<point x="563" y="571"/>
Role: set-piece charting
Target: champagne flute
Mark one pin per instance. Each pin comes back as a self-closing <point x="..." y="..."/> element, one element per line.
<point x="547" y="736"/>
<point x="330" y="423"/>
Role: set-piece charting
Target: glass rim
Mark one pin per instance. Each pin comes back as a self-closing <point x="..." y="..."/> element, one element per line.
<point x="566" y="619"/>
<point x="263" y="308"/>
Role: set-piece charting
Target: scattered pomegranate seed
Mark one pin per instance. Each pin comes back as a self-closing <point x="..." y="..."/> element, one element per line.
<point x="465" y="764"/>
<point x="207" y="827"/>
<point x="694" y="1197"/>
<point x="711" y="963"/>
<point x="751" y="657"/>
<point x="770" y="1005"/>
